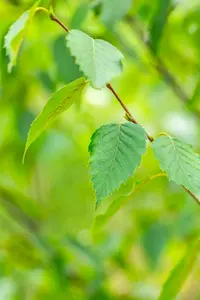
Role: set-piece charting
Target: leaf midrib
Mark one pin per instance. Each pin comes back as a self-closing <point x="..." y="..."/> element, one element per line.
<point x="177" y="158"/>
<point x="114" y="158"/>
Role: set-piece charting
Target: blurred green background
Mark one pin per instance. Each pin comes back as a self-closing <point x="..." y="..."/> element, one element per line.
<point x="53" y="245"/>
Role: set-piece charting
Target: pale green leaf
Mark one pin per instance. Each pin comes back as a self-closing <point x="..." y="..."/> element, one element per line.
<point x="180" y="273"/>
<point x="57" y="104"/>
<point x="99" y="60"/>
<point x="114" y="11"/>
<point x="179" y="161"/>
<point x="115" y="152"/>
<point x="16" y="34"/>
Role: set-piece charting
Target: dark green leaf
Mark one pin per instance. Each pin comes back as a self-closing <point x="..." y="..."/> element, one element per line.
<point x="80" y="16"/>
<point x="67" y="71"/>
<point x="158" y="23"/>
<point x="115" y="152"/>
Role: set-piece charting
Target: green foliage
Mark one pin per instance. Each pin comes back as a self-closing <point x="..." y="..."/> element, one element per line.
<point x="47" y="248"/>
<point x="115" y="152"/>
<point x="16" y="34"/>
<point x="158" y="23"/>
<point x="180" y="273"/>
<point x="80" y="16"/>
<point x="68" y="71"/>
<point x="57" y="104"/>
<point x="99" y="60"/>
<point x="179" y="161"/>
<point x="114" y="11"/>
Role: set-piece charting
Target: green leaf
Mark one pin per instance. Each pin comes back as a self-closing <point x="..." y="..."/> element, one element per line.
<point x="99" y="60"/>
<point x="80" y="16"/>
<point x="114" y="11"/>
<point x="57" y="104"/>
<point x="179" y="161"/>
<point x="61" y="53"/>
<point x="158" y="23"/>
<point x="16" y="34"/>
<point x="115" y="152"/>
<point x="154" y="240"/>
<point x="180" y="273"/>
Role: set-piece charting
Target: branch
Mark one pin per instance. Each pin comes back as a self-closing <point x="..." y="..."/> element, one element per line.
<point x="131" y="119"/>
<point x="55" y="19"/>
<point x="192" y="195"/>
<point x="109" y="86"/>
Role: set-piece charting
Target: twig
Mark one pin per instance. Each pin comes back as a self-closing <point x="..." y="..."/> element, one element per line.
<point x="55" y="19"/>
<point x="109" y="86"/>
<point x="192" y="195"/>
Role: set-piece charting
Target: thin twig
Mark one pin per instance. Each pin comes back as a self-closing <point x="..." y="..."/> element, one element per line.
<point x="192" y="195"/>
<point x="109" y="86"/>
<point x="55" y="19"/>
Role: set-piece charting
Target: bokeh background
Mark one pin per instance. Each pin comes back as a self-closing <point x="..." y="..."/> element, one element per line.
<point x="53" y="245"/>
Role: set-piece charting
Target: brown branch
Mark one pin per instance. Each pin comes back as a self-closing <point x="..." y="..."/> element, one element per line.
<point x="109" y="86"/>
<point x="192" y="195"/>
<point x="55" y="19"/>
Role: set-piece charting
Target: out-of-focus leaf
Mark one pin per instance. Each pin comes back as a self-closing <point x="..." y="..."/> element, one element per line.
<point x="101" y="219"/>
<point x="80" y="16"/>
<point x="21" y="207"/>
<point x="180" y="273"/>
<point x="99" y="60"/>
<point x="154" y="240"/>
<point x="86" y="252"/>
<point x="195" y="99"/>
<point x="115" y="152"/>
<point x="158" y="23"/>
<point x="114" y="11"/>
<point x="67" y="70"/>
<point x="16" y="34"/>
<point x="179" y="161"/>
<point x="57" y="104"/>
<point x="46" y="81"/>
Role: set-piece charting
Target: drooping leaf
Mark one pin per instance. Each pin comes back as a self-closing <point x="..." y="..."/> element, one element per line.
<point x="158" y="23"/>
<point x="179" y="161"/>
<point x="114" y="11"/>
<point x="16" y="34"/>
<point x="58" y="103"/>
<point x="115" y="152"/>
<point x="180" y="273"/>
<point x="99" y="60"/>
<point x="154" y="240"/>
